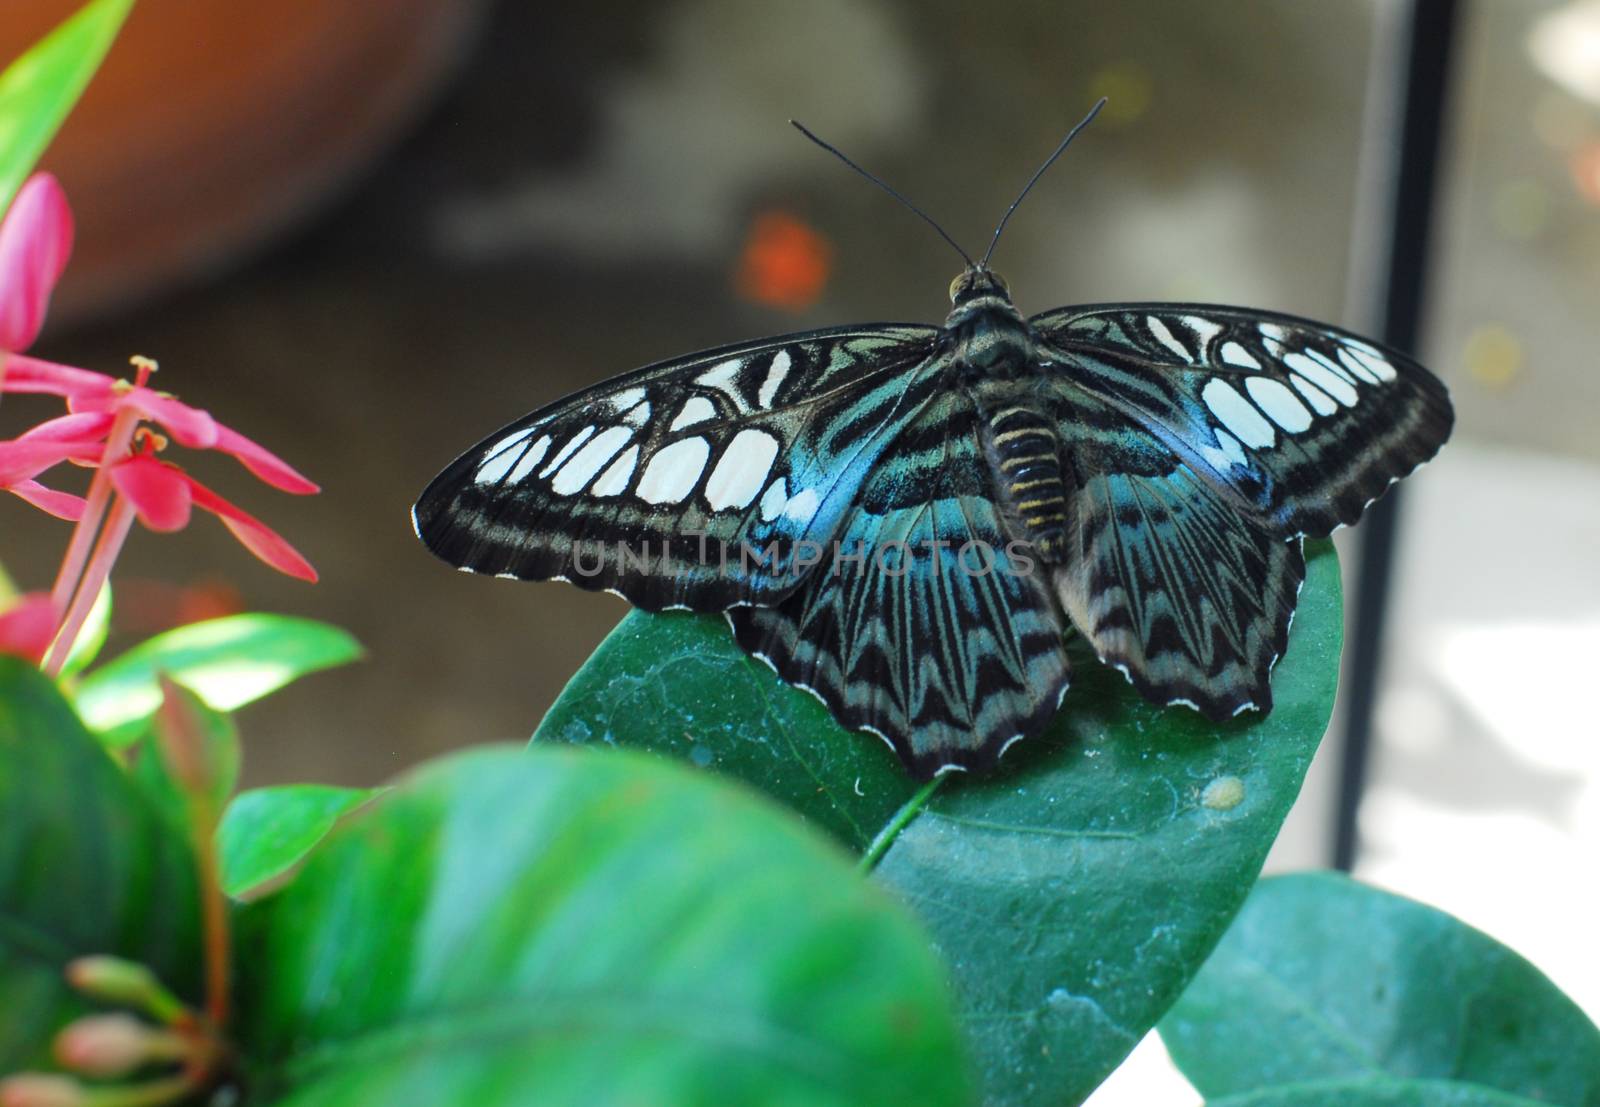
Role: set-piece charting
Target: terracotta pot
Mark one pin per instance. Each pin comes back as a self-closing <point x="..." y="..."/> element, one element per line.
<point x="215" y="124"/>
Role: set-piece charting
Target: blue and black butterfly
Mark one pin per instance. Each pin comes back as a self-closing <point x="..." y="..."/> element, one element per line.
<point x="909" y="520"/>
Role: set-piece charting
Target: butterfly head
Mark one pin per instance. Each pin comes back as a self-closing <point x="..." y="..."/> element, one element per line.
<point x="977" y="282"/>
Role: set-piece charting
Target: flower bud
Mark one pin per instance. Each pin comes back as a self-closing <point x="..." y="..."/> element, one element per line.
<point x="105" y="1045"/>
<point x="124" y="982"/>
<point x="37" y="1089"/>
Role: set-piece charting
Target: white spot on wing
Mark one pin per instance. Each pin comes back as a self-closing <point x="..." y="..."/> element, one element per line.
<point x="696" y="409"/>
<point x="742" y="470"/>
<point x="1323" y="377"/>
<point x="1318" y="399"/>
<point x="583" y="465"/>
<point x="1272" y="337"/>
<point x="1203" y="327"/>
<point x="1280" y="404"/>
<point x="721" y="375"/>
<point x="638" y="415"/>
<point x="1226" y="452"/>
<point x="1164" y="336"/>
<point x="627" y="398"/>
<point x="774" y="499"/>
<point x="1372" y="358"/>
<point x="802" y="505"/>
<point x="673" y="471"/>
<point x="1357" y="365"/>
<point x="614" y="481"/>
<point x="529" y="460"/>
<point x="1235" y="354"/>
<point x="566" y="451"/>
<point x="506" y="455"/>
<point x="1237" y="414"/>
<point x="776" y="372"/>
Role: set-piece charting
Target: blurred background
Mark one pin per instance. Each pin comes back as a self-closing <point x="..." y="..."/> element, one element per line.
<point x="367" y="235"/>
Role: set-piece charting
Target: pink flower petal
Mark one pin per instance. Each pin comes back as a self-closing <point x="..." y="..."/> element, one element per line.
<point x="69" y="428"/>
<point x="29" y="374"/>
<point x="24" y="459"/>
<point x="35" y="240"/>
<point x="262" y="462"/>
<point x="189" y="425"/>
<point x="255" y="535"/>
<point x="158" y="492"/>
<point x="28" y="626"/>
<point x="63" y="505"/>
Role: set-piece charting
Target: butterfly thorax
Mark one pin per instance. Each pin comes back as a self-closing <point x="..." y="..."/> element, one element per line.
<point x="994" y="363"/>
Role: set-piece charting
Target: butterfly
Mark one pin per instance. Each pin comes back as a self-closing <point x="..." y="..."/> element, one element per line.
<point x="910" y="521"/>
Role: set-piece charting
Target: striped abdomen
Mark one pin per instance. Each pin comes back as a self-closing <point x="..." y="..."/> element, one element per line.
<point x="1027" y="455"/>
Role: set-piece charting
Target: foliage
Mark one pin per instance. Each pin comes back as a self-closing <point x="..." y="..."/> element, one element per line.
<point x="1048" y="888"/>
<point x="562" y="925"/>
<point x="1325" y="990"/>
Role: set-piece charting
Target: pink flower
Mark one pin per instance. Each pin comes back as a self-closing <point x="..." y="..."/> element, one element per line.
<point x="162" y="496"/>
<point x="95" y="395"/>
<point x="35" y="240"/>
<point x="107" y="428"/>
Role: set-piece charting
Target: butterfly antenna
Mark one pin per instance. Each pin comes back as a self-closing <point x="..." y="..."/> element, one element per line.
<point x="834" y="150"/>
<point x="1048" y="162"/>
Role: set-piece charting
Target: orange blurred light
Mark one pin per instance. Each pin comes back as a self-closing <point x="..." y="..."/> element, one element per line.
<point x="145" y="606"/>
<point x="1585" y="167"/>
<point x="784" y="263"/>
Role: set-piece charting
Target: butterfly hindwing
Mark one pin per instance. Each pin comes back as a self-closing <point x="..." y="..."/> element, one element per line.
<point x="1303" y="425"/>
<point x="1171" y="583"/>
<point x="944" y="638"/>
<point x="686" y="483"/>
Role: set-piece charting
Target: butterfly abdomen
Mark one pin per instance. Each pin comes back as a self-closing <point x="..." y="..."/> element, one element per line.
<point x="1025" y="451"/>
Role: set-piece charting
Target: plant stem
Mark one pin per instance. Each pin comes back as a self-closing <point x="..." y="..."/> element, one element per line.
<point x="891" y="830"/>
<point x="214" y="919"/>
<point x="118" y="441"/>
<point x="89" y="585"/>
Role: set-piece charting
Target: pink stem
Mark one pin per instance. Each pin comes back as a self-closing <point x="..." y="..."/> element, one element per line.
<point x="118" y="441"/>
<point x="94" y="578"/>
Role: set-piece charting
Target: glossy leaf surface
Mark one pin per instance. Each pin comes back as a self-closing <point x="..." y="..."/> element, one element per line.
<point x="267" y="831"/>
<point x="229" y="662"/>
<point x="1073" y="894"/>
<point x="1324" y="979"/>
<point x="87" y="865"/>
<point x="39" y="88"/>
<point x="570" y="927"/>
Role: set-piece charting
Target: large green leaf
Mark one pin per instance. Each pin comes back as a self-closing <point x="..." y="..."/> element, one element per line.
<point x="569" y="927"/>
<point x="228" y="662"/>
<point x="1073" y="894"/>
<point x="267" y="831"/>
<point x="1323" y="979"/>
<point x="1375" y="1092"/>
<point x="39" y="88"/>
<point x="87" y="865"/>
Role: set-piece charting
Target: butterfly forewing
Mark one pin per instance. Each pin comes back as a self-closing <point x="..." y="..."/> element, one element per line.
<point x="689" y="483"/>
<point x="1172" y="456"/>
<point x="1302" y="424"/>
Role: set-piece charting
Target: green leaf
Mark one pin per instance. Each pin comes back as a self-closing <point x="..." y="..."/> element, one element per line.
<point x="228" y="662"/>
<point x="87" y="865"/>
<point x="1323" y="979"/>
<point x="1376" y="1092"/>
<point x="566" y="927"/>
<point x="267" y="831"/>
<point x="39" y="88"/>
<point x="1073" y="894"/>
<point x="91" y="637"/>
